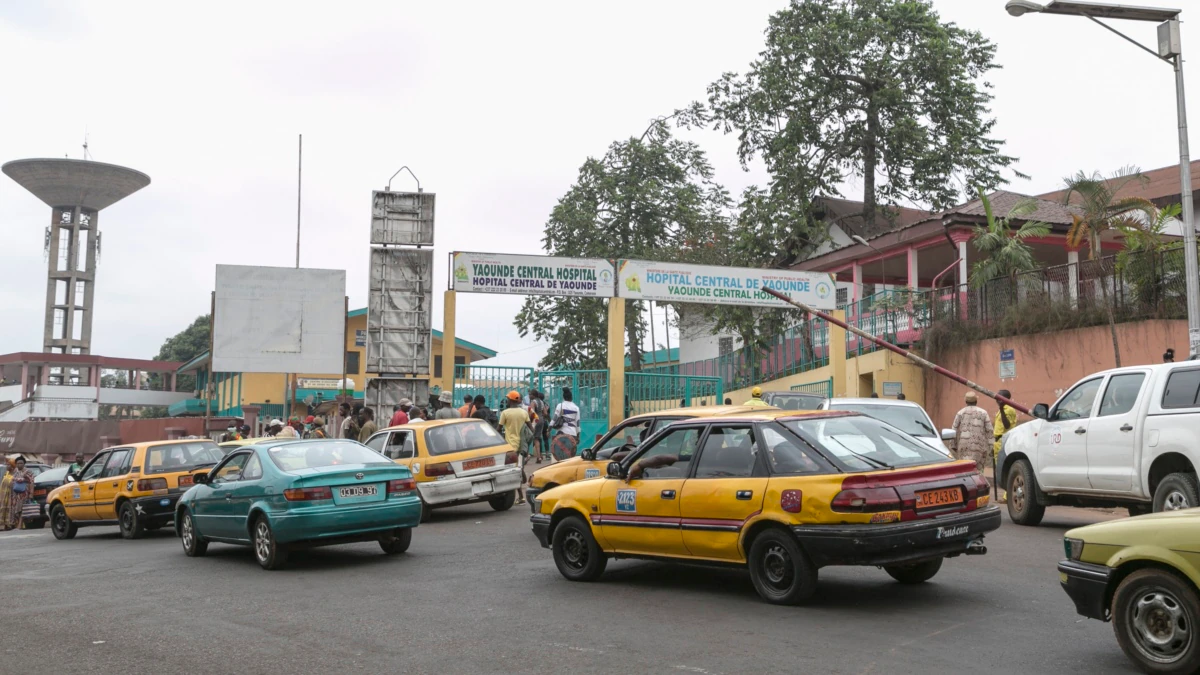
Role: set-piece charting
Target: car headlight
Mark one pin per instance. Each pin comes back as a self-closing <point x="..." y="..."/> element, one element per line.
<point x="1073" y="548"/>
<point x="537" y="505"/>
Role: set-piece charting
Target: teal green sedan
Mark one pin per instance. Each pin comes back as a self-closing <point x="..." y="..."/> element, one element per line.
<point x="278" y="496"/>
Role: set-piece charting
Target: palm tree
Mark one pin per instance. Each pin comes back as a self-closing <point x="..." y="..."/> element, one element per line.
<point x="1100" y="210"/>
<point x="1005" y="250"/>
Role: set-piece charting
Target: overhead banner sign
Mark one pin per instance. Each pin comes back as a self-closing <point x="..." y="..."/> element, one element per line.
<point x="532" y="275"/>
<point x="678" y="282"/>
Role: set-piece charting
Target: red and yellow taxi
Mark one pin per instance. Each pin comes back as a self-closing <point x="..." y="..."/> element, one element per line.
<point x="132" y="486"/>
<point x="454" y="462"/>
<point x="780" y="493"/>
<point x="618" y="442"/>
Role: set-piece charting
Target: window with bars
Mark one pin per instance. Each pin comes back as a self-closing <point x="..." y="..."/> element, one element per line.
<point x="725" y="346"/>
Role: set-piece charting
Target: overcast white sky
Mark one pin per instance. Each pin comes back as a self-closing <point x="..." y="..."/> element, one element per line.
<point x="493" y="105"/>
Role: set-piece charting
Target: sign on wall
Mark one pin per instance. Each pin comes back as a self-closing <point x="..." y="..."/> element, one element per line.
<point x="1008" y="364"/>
<point x="678" y="282"/>
<point x="531" y="275"/>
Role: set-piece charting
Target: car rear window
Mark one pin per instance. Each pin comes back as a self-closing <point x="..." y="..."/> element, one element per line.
<point x="51" y="476"/>
<point x="859" y="443"/>
<point x="451" y="438"/>
<point x="183" y="456"/>
<point x="1183" y="390"/>
<point x="907" y="418"/>
<point x="314" y="455"/>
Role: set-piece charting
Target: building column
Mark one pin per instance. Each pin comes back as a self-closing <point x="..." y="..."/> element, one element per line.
<point x="1073" y="276"/>
<point x="913" y="278"/>
<point x="616" y="361"/>
<point x="962" y="261"/>
<point x="858" y="283"/>
<point x="25" y="380"/>
<point x="837" y="353"/>
<point x="449" y="339"/>
<point x="137" y="379"/>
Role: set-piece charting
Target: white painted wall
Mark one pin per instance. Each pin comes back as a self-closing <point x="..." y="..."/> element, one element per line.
<point x="10" y="393"/>
<point x="141" y="397"/>
<point x="66" y="392"/>
<point x="696" y="339"/>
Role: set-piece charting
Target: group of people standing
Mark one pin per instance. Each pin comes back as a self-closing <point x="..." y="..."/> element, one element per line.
<point x="526" y="425"/>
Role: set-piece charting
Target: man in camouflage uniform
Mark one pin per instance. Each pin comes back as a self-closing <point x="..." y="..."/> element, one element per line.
<point x="973" y="434"/>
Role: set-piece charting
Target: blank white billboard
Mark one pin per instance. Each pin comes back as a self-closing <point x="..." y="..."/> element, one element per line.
<point x="279" y="320"/>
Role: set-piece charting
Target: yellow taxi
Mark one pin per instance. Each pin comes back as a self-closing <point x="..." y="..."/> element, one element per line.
<point x="780" y="493"/>
<point x="618" y="442"/>
<point x="229" y="446"/>
<point x="132" y="486"/>
<point x="454" y="462"/>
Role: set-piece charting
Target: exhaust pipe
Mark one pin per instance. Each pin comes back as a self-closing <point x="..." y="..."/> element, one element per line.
<point x="976" y="548"/>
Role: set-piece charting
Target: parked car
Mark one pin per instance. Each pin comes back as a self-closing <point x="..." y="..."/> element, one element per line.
<point x="132" y="486"/>
<point x="281" y="495"/>
<point x="43" y="483"/>
<point x="781" y="494"/>
<point x="1124" y="437"/>
<point x="793" y="400"/>
<point x="1141" y="574"/>
<point x="459" y="461"/>
<point x="618" y="442"/>
<point x="36" y="469"/>
<point x="906" y="416"/>
<point x="229" y="446"/>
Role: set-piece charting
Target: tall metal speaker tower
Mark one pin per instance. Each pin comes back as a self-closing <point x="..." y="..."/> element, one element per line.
<point x="76" y="190"/>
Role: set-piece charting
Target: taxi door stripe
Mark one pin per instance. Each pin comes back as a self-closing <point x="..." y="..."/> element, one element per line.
<point x="635" y="521"/>
<point x="712" y="524"/>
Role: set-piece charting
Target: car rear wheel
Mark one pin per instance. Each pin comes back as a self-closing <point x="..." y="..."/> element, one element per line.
<point x="131" y="524"/>
<point x="396" y="541"/>
<point x="1023" y="507"/>
<point x="576" y="553"/>
<point x="193" y="544"/>
<point x="60" y="523"/>
<point x="270" y="554"/>
<point x="914" y="574"/>
<point x="503" y="502"/>
<point x="781" y="572"/>
<point x="426" y="512"/>
<point x="1154" y="616"/>
<point x="1175" y="492"/>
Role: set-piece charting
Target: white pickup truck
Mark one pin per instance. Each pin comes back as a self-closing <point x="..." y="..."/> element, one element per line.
<point x="1123" y="437"/>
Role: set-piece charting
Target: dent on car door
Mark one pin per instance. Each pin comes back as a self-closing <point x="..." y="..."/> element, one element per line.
<point x="1062" y="443"/>
<point x="1112" y="436"/>
<point x="726" y="488"/>
<point x="80" y="499"/>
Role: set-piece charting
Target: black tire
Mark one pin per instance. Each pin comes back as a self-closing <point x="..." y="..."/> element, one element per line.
<point x="131" y="525"/>
<point x="914" y="574"/>
<point x="503" y="502"/>
<point x="576" y="553"/>
<point x="270" y="554"/>
<point x="396" y="541"/>
<point x="781" y="572"/>
<point x="151" y="527"/>
<point x="1023" y="507"/>
<point x="193" y="544"/>
<point x="1177" y="491"/>
<point x="60" y="523"/>
<point x="1155" y="616"/>
<point x="1140" y="510"/>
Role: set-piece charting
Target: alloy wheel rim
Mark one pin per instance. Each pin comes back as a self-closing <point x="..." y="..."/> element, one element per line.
<point x="1160" y="626"/>
<point x="1018" y="492"/>
<point x="575" y="550"/>
<point x="262" y="541"/>
<point x="777" y="567"/>
<point x="187" y="532"/>
<point x="1176" y="501"/>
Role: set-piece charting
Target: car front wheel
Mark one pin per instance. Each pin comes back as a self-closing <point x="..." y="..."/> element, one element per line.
<point x="576" y="553"/>
<point x="1154" y="616"/>
<point x="60" y="523"/>
<point x="779" y="569"/>
<point x="1023" y="506"/>
<point x="193" y="544"/>
<point x="396" y="541"/>
<point x="270" y="554"/>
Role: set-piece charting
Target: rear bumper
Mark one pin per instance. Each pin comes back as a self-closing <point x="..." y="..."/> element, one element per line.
<point x="157" y="507"/>
<point x="316" y="524"/>
<point x="896" y="543"/>
<point x="541" y="528"/>
<point x="1087" y="585"/>
<point x="470" y="488"/>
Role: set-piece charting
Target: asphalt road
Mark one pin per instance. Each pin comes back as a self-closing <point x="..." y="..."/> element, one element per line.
<point x="476" y="594"/>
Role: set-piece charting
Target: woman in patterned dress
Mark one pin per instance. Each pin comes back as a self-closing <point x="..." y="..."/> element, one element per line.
<point x="20" y="489"/>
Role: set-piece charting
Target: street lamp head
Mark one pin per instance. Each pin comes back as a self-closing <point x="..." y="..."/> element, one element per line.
<point x="859" y="240"/>
<point x="1020" y="7"/>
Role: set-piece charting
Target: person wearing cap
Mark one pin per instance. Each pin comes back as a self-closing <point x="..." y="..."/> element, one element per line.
<point x="400" y="413"/>
<point x="515" y="421"/>
<point x="972" y="434"/>
<point x="274" y="427"/>
<point x="446" y="409"/>
<point x="318" y="429"/>
<point x="756" y="398"/>
<point x="244" y="430"/>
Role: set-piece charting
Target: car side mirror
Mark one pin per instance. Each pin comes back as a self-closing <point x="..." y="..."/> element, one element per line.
<point x="614" y="470"/>
<point x="1041" y="411"/>
<point x="588" y="455"/>
<point x="200" y="479"/>
<point x="949" y="434"/>
<point x="72" y="478"/>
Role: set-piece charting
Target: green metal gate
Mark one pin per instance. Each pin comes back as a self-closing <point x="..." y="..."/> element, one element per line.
<point x="650" y="392"/>
<point x="491" y="382"/>
<point x="823" y="388"/>
<point x="589" y="390"/>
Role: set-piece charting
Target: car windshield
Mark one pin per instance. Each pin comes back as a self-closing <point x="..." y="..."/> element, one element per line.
<point x="907" y="418"/>
<point x="183" y="456"/>
<point x="450" y="438"/>
<point x="36" y="469"/>
<point x="51" y="476"/>
<point x="313" y="455"/>
<point x="796" y="401"/>
<point x="858" y="443"/>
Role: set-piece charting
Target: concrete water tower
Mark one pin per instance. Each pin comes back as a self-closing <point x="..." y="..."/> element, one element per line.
<point x="76" y="190"/>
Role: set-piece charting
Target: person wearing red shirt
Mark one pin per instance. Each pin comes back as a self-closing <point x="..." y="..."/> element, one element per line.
<point x="400" y="414"/>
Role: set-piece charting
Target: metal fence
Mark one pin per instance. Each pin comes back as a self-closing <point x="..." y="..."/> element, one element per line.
<point x="822" y="388"/>
<point x="648" y="392"/>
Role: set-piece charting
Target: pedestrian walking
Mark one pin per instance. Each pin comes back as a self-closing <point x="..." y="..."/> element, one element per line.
<point x="756" y="398"/>
<point x="972" y="433"/>
<point x="400" y="413"/>
<point x="446" y="409"/>
<point x="566" y="421"/>
<point x="465" y="409"/>
<point x="19" y="489"/>
<point x="349" y="422"/>
<point x="540" y="415"/>
<point x="515" y="423"/>
<point x="367" y="428"/>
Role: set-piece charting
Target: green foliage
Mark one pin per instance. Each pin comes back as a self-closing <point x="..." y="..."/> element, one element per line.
<point x="1004" y="248"/>
<point x="1153" y="267"/>
<point x="651" y="197"/>
<point x="184" y="346"/>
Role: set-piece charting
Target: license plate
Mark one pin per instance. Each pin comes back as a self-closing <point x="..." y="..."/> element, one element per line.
<point x="185" y="481"/>
<point x="481" y="488"/>
<point x="358" y="491"/>
<point x="933" y="498"/>
<point x="478" y="463"/>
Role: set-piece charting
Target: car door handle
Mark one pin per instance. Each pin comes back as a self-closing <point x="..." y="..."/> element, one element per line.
<point x="1081" y="430"/>
<point x="229" y="497"/>
<point x="668" y="494"/>
<point x="744" y="494"/>
<point x="1127" y="427"/>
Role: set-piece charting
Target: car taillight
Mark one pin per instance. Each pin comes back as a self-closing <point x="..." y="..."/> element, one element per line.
<point x="402" y="485"/>
<point x="307" y="494"/>
<point x="185" y="481"/>
<point x="981" y="483"/>
<point x="147" y="484"/>
<point x="441" y="469"/>
<point x="866" y="500"/>
<point x="510" y="458"/>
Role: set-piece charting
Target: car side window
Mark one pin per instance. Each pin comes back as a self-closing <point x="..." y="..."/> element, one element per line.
<point x="117" y="464"/>
<point x="92" y="471"/>
<point x="253" y="470"/>
<point x="1121" y="394"/>
<point x="1183" y="389"/>
<point x="729" y="452"/>
<point x="376" y="442"/>
<point x="785" y="453"/>
<point x="400" y="445"/>
<point x="231" y="469"/>
<point x="1077" y="404"/>
<point x="670" y="457"/>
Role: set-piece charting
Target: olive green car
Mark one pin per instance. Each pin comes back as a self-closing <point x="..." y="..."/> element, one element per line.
<point x="1142" y="574"/>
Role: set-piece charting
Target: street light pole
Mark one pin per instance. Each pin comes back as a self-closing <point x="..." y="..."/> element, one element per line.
<point x="1169" y="49"/>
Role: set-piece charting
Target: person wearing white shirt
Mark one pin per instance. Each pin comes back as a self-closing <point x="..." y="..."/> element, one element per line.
<point x="566" y="417"/>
